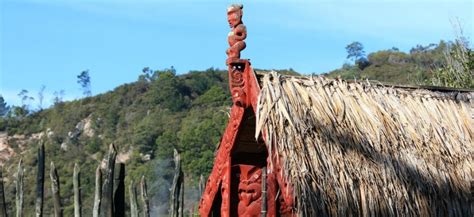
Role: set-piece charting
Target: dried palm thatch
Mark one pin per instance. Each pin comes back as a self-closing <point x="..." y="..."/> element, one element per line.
<point x="362" y="149"/>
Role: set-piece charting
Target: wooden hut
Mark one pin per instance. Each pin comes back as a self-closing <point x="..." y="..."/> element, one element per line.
<point x="313" y="146"/>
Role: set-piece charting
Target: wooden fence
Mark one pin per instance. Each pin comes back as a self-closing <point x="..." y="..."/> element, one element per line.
<point x="109" y="198"/>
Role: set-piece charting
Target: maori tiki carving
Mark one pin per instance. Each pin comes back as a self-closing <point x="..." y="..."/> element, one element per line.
<point x="250" y="191"/>
<point x="236" y="65"/>
<point x="237" y="34"/>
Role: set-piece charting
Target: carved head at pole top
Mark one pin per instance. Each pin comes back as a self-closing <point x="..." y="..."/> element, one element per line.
<point x="234" y="14"/>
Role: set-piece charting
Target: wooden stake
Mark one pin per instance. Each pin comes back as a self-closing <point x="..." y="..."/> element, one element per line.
<point x="53" y="173"/>
<point x="107" y="203"/>
<point x="19" y="190"/>
<point x="77" y="191"/>
<point x="202" y="185"/>
<point x="132" y="191"/>
<point x="181" y="192"/>
<point x="176" y="187"/>
<point x="40" y="181"/>
<point x="3" y="206"/>
<point x="146" y="206"/>
<point x="119" y="192"/>
<point x="98" y="192"/>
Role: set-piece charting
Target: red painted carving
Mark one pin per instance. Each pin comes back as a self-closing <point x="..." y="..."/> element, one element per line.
<point x="237" y="66"/>
<point x="247" y="181"/>
<point x="221" y="169"/>
<point x="237" y="34"/>
<point x="245" y="89"/>
<point x="238" y="73"/>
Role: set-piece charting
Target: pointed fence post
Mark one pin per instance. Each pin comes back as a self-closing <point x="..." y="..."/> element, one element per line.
<point x="3" y="205"/>
<point x="77" y="191"/>
<point x="107" y="203"/>
<point x="119" y="192"/>
<point x="98" y="192"/>
<point x="146" y="205"/>
<point x="177" y="188"/>
<point x="132" y="191"/>
<point x="181" y="192"/>
<point x="40" y="181"/>
<point x="202" y="185"/>
<point x="53" y="173"/>
<point x="19" y="190"/>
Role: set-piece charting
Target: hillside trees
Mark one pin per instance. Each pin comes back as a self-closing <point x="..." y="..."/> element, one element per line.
<point x="58" y="96"/>
<point x="168" y="90"/>
<point x="355" y="52"/>
<point x="3" y="106"/>
<point x="25" y="98"/>
<point x="84" y="80"/>
<point x="458" y="70"/>
<point x="41" y="97"/>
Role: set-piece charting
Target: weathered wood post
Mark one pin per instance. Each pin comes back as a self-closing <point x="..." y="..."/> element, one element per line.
<point x="53" y="173"/>
<point x="181" y="196"/>
<point x="40" y="181"/>
<point x="132" y="191"/>
<point x="98" y="192"/>
<point x="77" y="191"/>
<point x="3" y="205"/>
<point x="202" y="185"/>
<point x="19" y="190"/>
<point x="119" y="192"/>
<point x="146" y="205"/>
<point x="177" y="188"/>
<point x="107" y="203"/>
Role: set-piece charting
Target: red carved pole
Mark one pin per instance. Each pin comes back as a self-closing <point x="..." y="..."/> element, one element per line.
<point x="245" y="90"/>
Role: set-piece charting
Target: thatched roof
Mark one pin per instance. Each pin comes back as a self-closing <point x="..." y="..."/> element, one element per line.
<point x="363" y="149"/>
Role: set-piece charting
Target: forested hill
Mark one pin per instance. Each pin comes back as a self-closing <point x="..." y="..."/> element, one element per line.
<point x="145" y="120"/>
<point x="443" y="64"/>
<point x="160" y="111"/>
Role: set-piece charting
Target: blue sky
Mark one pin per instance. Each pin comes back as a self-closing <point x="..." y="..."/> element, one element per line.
<point x="50" y="42"/>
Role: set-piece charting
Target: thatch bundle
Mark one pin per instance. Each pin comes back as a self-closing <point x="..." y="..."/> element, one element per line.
<point x="362" y="149"/>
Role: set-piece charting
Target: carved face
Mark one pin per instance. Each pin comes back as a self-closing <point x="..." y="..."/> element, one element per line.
<point x="250" y="188"/>
<point x="234" y="16"/>
<point x="249" y="192"/>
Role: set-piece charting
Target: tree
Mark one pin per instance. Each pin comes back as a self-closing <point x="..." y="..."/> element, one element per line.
<point x="459" y="68"/>
<point x="355" y="52"/>
<point x="84" y="80"/>
<point x="58" y="97"/>
<point x="41" y="96"/>
<point x="4" y="108"/>
<point x="458" y="71"/>
<point x="147" y="74"/>
<point x="25" y="98"/>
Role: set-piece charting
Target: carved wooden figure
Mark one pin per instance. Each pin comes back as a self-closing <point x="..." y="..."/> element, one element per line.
<point x="237" y="34"/>
<point x="237" y="185"/>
